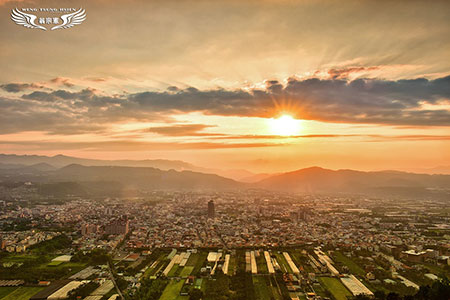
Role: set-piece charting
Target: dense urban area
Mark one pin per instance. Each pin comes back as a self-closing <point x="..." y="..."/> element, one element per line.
<point x="224" y="245"/>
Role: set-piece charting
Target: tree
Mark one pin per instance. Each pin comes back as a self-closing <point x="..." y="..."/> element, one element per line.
<point x="195" y="294"/>
<point x="380" y="295"/>
<point x="393" y="296"/>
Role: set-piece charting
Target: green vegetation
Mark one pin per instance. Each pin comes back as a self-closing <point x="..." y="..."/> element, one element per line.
<point x="218" y="288"/>
<point x="57" y="243"/>
<point x="242" y="286"/>
<point x="283" y="263"/>
<point x="196" y="260"/>
<point x="95" y="257"/>
<point x="263" y="289"/>
<point x="186" y="271"/>
<point x="150" y="289"/>
<point x="37" y="268"/>
<point x="36" y="264"/>
<point x="173" y="271"/>
<point x="172" y="290"/>
<point x="439" y="290"/>
<point x="195" y="294"/>
<point x="6" y="290"/>
<point x="351" y="265"/>
<point x="22" y="293"/>
<point x="261" y="264"/>
<point x="335" y="287"/>
<point x="232" y="264"/>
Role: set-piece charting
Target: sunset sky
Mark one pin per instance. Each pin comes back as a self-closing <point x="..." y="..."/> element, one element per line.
<point x="361" y="84"/>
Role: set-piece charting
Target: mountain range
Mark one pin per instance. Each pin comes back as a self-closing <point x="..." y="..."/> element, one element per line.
<point x="96" y="175"/>
<point x="11" y="161"/>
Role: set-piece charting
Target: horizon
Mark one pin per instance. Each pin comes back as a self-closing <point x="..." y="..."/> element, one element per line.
<point x="444" y="170"/>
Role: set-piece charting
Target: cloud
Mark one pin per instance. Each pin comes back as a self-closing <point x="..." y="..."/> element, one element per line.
<point x="62" y="81"/>
<point x="181" y="130"/>
<point x="20" y="87"/>
<point x="344" y="73"/>
<point x="132" y="145"/>
<point x="369" y="101"/>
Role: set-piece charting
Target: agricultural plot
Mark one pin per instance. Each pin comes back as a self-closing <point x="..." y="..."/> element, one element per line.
<point x="186" y="271"/>
<point x="335" y="287"/>
<point x="4" y="291"/>
<point x="351" y="265"/>
<point x="159" y="264"/>
<point x="261" y="263"/>
<point x="196" y="260"/>
<point x="264" y="290"/>
<point x="22" y="293"/>
<point x="173" y="271"/>
<point x="172" y="290"/>
<point x="301" y="261"/>
<point x="283" y="263"/>
<point x="291" y="263"/>
<point x="232" y="265"/>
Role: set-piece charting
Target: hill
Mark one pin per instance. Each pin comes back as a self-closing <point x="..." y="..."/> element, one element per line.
<point x="319" y="180"/>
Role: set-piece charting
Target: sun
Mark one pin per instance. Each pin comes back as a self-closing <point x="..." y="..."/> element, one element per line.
<point x="285" y="125"/>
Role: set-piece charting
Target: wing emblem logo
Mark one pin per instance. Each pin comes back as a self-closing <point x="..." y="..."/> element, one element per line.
<point x="33" y="22"/>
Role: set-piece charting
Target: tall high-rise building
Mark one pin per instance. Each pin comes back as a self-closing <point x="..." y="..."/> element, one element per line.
<point x="211" y="210"/>
<point x="118" y="226"/>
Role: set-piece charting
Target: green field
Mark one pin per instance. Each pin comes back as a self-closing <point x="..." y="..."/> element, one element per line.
<point x="261" y="263"/>
<point x="173" y="271"/>
<point x="54" y="263"/>
<point x="6" y="290"/>
<point x="196" y="260"/>
<point x="186" y="271"/>
<point x="232" y="265"/>
<point x="335" y="287"/>
<point x="23" y="258"/>
<point x="22" y="293"/>
<point x="263" y="288"/>
<point x="172" y="290"/>
<point x="352" y="266"/>
<point x="283" y="263"/>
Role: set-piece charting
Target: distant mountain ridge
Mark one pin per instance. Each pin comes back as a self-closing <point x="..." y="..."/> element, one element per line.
<point x="318" y="180"/>
<point x="308" y="180"/>
<point x="8" y="161"/>
<point x="145" y="178"/>
<point x="60" y="161"/>
<point x="125" y="178"/>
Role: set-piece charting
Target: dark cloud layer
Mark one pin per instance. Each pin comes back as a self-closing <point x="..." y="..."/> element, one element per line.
<point x="371" y="101"/>
<point x="18" y="87"/>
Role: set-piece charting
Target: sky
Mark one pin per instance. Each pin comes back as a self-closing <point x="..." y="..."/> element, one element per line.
<point x="267" y="86"/>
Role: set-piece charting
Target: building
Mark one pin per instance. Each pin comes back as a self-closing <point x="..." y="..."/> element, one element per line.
<point x="118" y="226"/>
<point x="303" y="214"/>
<point x="413" y="256"/>
<point x="88" y="229"/>
<point x="211" y="209"/>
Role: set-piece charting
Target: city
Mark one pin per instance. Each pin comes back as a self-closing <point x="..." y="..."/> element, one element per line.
<point x="170" y="243"/>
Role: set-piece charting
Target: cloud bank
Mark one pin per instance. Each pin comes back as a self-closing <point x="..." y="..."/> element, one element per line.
<point x="409" y="102"/>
